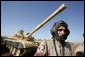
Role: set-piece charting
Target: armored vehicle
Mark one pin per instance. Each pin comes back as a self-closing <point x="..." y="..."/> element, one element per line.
<point x="21" y="45"/>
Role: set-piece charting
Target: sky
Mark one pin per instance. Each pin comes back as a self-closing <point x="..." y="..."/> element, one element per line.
<point x="26" y="15"/>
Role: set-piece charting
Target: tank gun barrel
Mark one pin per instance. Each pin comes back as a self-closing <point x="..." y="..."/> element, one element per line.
<point x="56" y="12"/>
<point x="21" y="47"/>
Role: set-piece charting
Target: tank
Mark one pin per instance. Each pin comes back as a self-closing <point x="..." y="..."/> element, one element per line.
<point x="21" y="45"/>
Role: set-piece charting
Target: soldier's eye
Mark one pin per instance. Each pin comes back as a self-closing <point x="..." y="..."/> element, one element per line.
<point x="61" y="30"/>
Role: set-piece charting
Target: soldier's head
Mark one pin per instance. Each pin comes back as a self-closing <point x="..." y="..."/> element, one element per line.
<point x="60" y="30"/>
<point x="21" y="31"/>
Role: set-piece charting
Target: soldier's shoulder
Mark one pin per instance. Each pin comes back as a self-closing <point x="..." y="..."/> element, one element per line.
<point x="49" y="40"/>
<point x="45" y="41"/>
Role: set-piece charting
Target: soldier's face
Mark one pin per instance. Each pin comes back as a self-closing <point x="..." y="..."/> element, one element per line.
<point x="61" y="31"/>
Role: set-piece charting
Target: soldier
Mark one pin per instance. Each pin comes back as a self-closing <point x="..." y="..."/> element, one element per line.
<point x="57" y="45"/>
<point x="19" y="35"/>
<point x="80" y="49"/>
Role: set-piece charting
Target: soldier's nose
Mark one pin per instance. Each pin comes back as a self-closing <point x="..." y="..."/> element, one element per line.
<point x="63" y="32"/>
